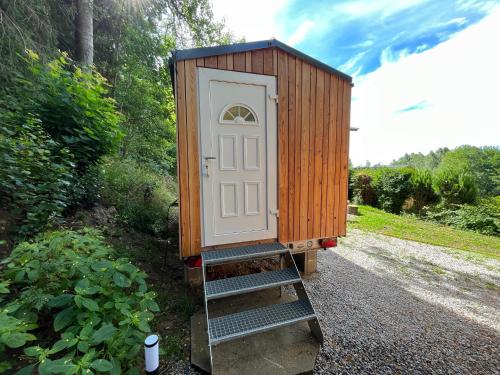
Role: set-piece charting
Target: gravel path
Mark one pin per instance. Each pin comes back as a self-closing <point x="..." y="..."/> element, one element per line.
<point x="393" y="306"/>
<point x="390" y="306"/>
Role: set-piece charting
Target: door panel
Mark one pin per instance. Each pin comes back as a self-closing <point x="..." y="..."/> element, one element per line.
<point x="228" y="157"/>
<point x="237" y="127"/>
<point x="251" y="153"/>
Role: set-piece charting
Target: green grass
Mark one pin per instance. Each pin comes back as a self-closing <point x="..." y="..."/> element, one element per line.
<point x="411" y="228"/>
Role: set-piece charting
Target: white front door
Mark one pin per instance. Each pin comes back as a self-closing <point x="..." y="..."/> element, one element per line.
<point x="238" y="156"/>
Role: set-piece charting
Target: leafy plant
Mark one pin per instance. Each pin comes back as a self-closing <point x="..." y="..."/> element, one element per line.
<point x="100" y="305"/>
<point x="363" y="190"/>
<point x="482" y="218"/>
<point x="56" y="123"/>
<point x="393" y="186"/>
<point x="455" y="186"/>
<point x="36" y="172"/>
<point x="13" y="331"/>
<point x="72" y="106"/>
<point x="140" y="196"/>
<point x="423" y="193"/>
<point x="482" y="164"/>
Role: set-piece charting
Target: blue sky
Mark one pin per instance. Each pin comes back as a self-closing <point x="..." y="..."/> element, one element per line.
<point x="358" y="35"/>
<point x="407" y="59"/>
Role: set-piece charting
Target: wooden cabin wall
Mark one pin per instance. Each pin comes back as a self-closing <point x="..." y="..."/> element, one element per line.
<point x="313" y="145"/>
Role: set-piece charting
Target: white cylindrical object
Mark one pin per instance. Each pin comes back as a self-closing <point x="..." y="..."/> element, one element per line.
<point x="152" y="354"/>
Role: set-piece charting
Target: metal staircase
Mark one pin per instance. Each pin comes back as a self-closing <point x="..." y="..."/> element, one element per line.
<point x="245" y="323"/>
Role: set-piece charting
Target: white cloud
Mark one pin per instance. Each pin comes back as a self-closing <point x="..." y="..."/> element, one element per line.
<point x="457" y="21"/>
<point x="351" y="63"/>
<point x="301" y="32"/>
<point x="458" y="80"/>
<point x="254" y="20"/>
<point x="361" y="8"/>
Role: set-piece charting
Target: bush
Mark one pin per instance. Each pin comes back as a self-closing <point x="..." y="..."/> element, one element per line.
<point x="35" y="174"/>
<point x="393" y="186"/>
<point x="92" y="309"/>
<point x="56" y="123"/>
<point x="72" y="106"/>
<point x="140" y="196"/>
<point x="480" y="163"/>
<point x="422" y="191"/>
<point x="483" y="218"/>
<point x="363" y="190"/>
<point x="455" y="186"/>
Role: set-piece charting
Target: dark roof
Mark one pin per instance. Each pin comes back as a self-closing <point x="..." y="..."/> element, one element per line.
<point x="194" y="53"/>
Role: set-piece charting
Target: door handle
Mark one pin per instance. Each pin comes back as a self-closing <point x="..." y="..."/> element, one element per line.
<point x="207" y="164"/>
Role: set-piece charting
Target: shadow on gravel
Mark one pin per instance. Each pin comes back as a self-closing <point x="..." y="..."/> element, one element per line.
<point x="439" y="279"/>
<point x="373" y="326"/>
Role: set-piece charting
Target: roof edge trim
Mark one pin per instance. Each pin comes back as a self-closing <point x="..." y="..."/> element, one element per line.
<point x="194" y="53"/>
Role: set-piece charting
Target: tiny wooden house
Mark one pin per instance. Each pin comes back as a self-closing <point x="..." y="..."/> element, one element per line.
<point x="263" y="140"/>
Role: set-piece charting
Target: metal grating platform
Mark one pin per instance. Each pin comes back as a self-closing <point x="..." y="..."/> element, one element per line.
<point x="250" y="322"/>
<point x="243" y="253"/>
<point x="249" y="283"/>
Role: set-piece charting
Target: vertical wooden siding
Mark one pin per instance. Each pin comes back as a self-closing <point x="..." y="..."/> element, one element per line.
<point x="313" y="145"/>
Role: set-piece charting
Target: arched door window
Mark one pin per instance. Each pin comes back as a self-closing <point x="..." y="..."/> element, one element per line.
<point x="238" y="114"/>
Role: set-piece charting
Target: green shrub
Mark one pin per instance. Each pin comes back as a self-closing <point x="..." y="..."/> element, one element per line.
<point x="86" y="190"/>
<point x="93" y="309"/>
<point x="393" y="186"/>
<point x="55" y="124"/>
<point x="13" y="331"/>
<point x="35" y="174"/>
<point x="72" y="106"/>
<point x="482" y="218"/>
<point x="455" y="186"/>
<point x="140" y="196"/>
<point x="363" y="190"/>
<point x="422" y="191"/>
<point x="480" y="163"/>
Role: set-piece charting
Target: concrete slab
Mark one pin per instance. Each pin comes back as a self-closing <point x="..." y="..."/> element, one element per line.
<point x="283" y="351"/>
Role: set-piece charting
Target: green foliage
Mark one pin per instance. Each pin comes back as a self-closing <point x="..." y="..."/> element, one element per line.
<point x="72" y="106"/>
<point x="143" y="92"/>
<point x="40" y="25"/>
<point x="393" y="186"/>
<point x="140" y="196"/>
<point x="363" y="190"/>
<point x="482" y="218"/>
<point x="482" y="164"/>
<point x="455" y="186"/>
<point x="422" y="191"/>
<point x="420" y="161"/>
<point x="56" y="124"/>
<point x="13" y="331"/>
<point x="86" y="190"/>
<point x="36" y="172"/>
<point x="99" y="304"/>
<point x="384" y="187"/>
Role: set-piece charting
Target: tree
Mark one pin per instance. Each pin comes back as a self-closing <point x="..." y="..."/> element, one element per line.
<point x="84" y="33"/>
<point x="393" y="186"/>
<point x="482" y="164"/>
<point x="455" y="186"/>
<point x="423" y="192"/>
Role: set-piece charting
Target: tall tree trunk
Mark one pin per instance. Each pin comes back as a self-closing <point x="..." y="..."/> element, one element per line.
<point x="84" y="32"/>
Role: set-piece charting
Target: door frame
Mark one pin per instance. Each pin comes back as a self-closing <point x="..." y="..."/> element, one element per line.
<point x="204" y="75"/>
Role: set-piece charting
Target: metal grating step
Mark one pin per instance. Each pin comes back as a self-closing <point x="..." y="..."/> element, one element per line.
<point x="249" y="283"/>
<point x="263" y="319"/>
<point x="243" y="253"/>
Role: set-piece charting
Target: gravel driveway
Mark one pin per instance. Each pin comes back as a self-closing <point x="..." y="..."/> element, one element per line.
<point x="390" y="306"/>
<point x="393" y="306"/>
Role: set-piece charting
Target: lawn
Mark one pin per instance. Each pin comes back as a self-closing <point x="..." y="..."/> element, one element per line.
<point x="411" y="228"/>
